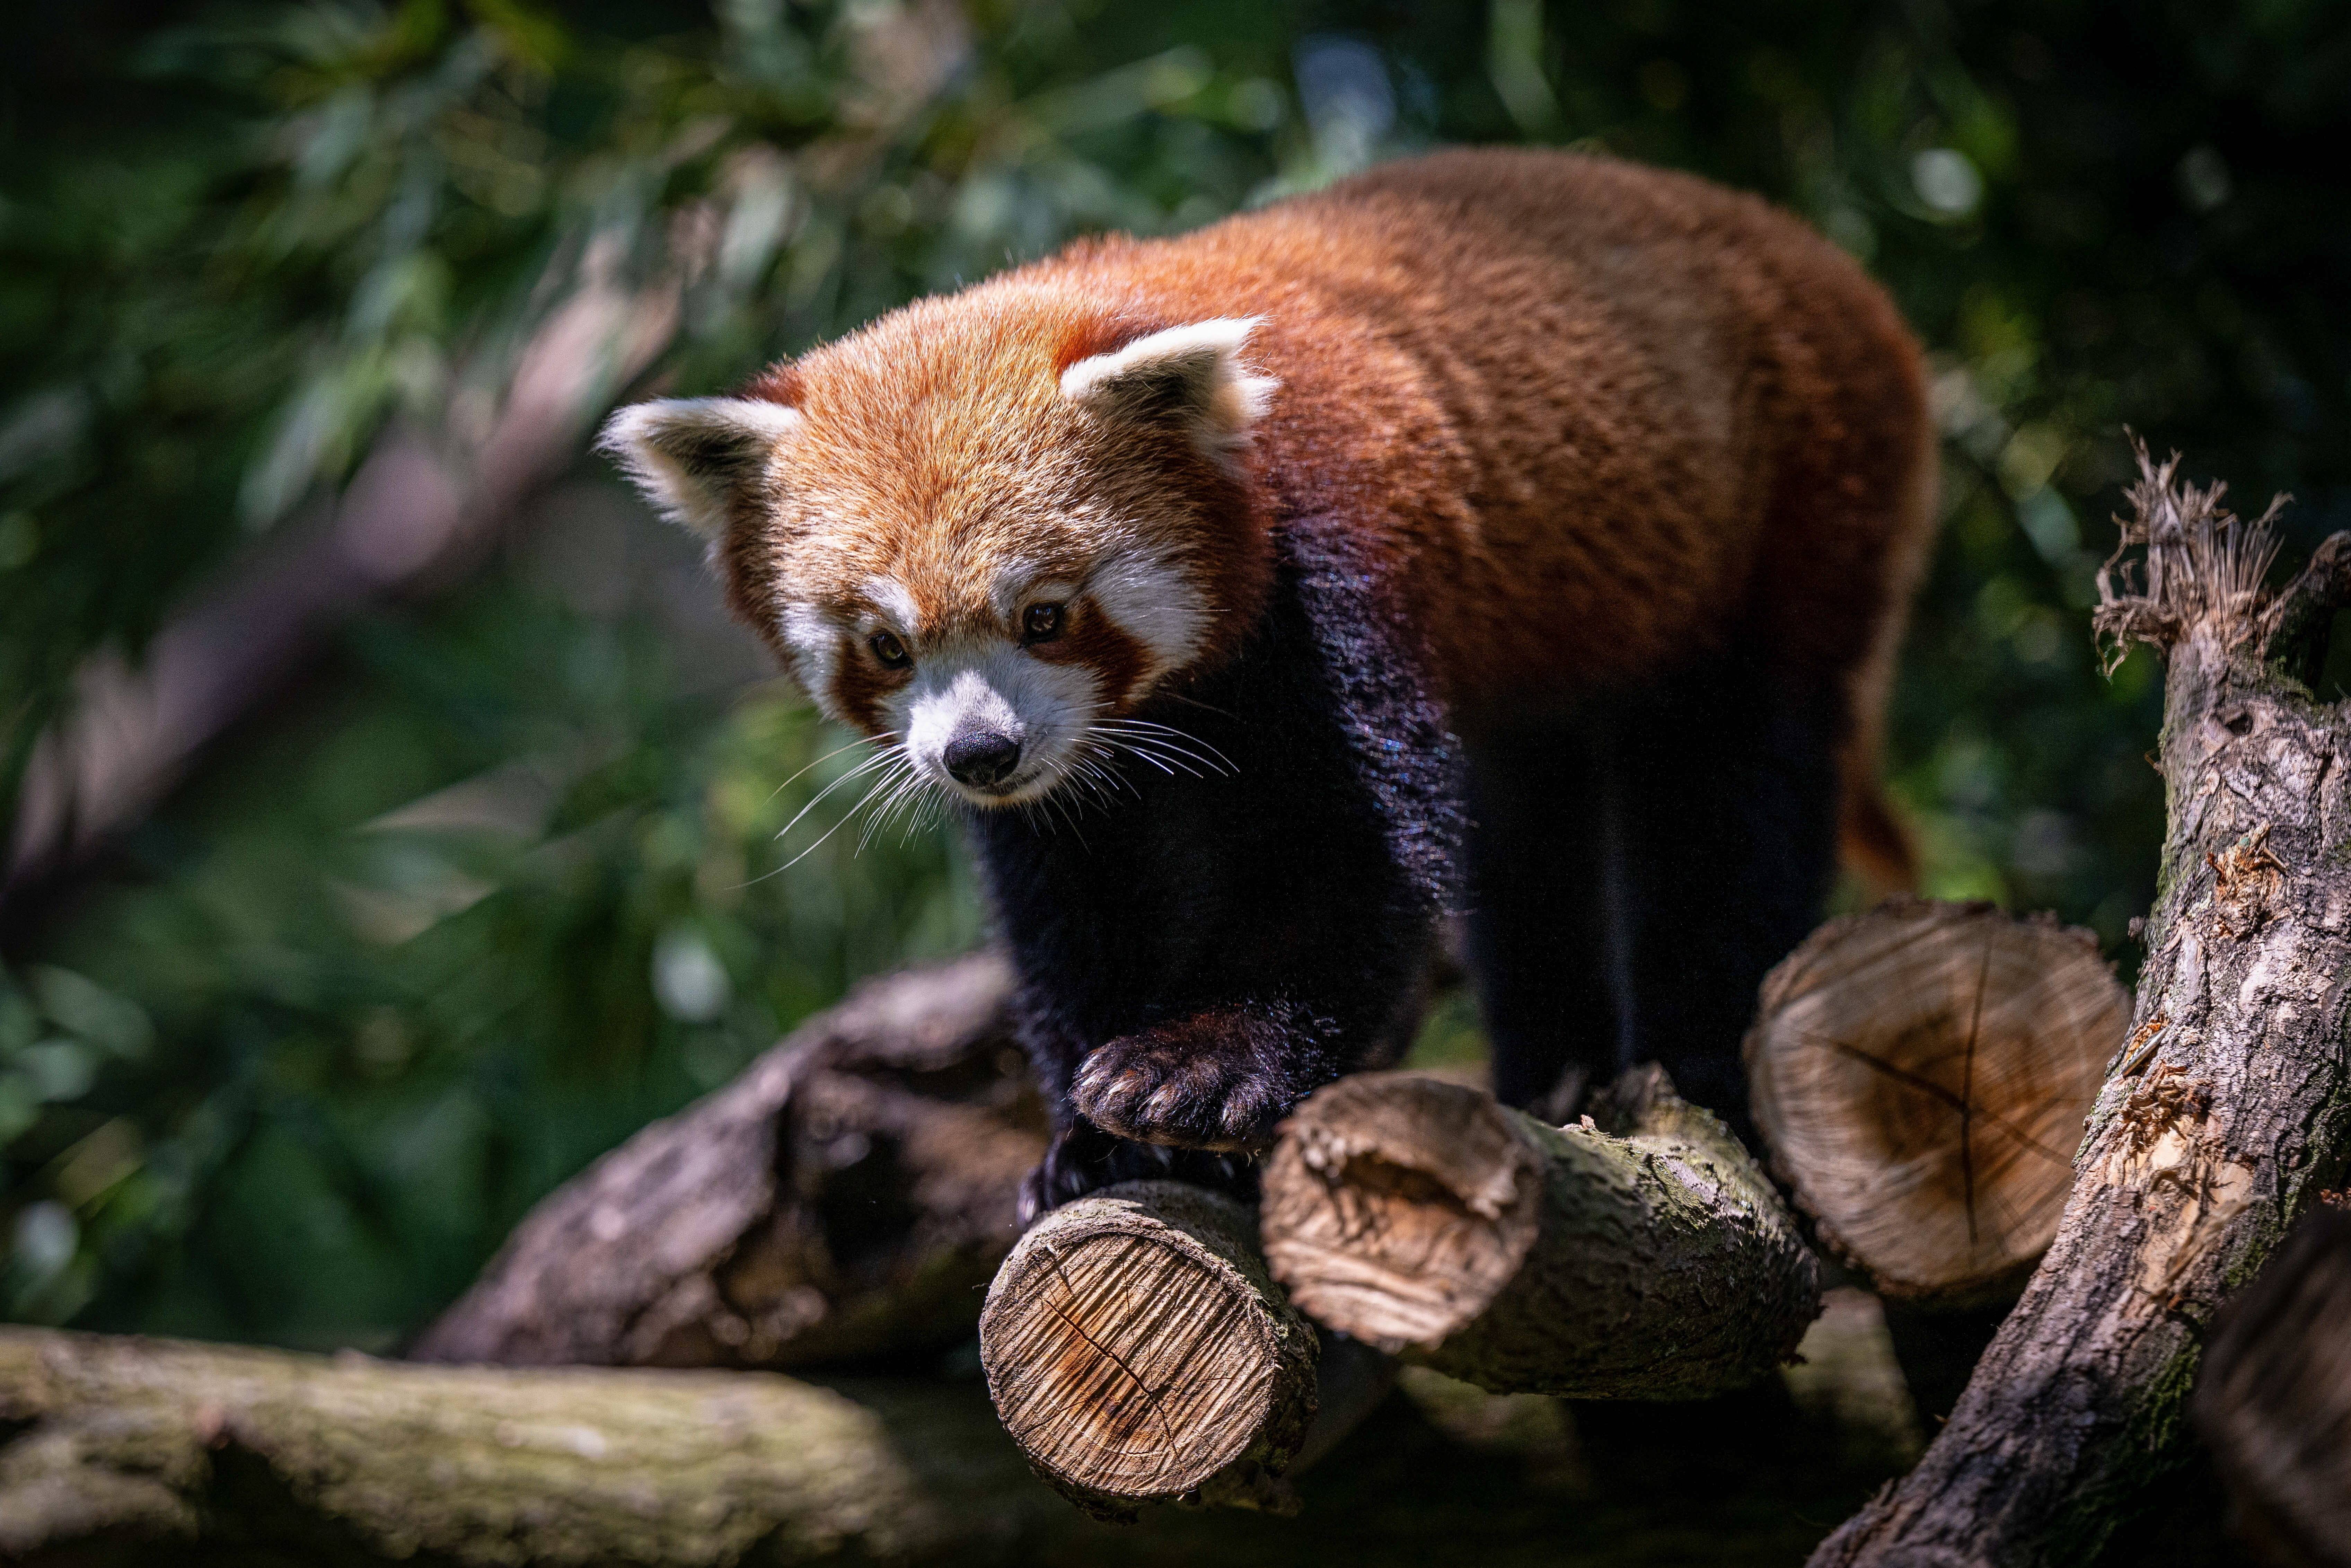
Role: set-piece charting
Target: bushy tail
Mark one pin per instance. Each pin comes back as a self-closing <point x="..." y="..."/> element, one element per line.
<point x="1872" y="839"/>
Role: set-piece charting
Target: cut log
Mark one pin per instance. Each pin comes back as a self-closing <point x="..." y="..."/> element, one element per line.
<point x="141" y="1452"/>
<point x="2273" y="1404"/>
<point x="1138" y="1352"/>
<point x="2229" y="1111"/>
<point x="1921" y="1073"/>
<point x="848" y="1197"/>
<point x="1641" y="1257"/>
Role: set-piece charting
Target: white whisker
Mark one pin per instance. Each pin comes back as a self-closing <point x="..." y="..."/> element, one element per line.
<point x="870" y="763"/>
<point x="1147" y="757"/>
<point x="1207" y="757"/>
<point x="891" y="761"/>
<point x="1174" y="740"/>
<point x="913" y="798"/>
<point x="899" y="791"/>
<point x="860" y="740"/>
<point x="1166" y="761"/>
<point x="845" y="817"/>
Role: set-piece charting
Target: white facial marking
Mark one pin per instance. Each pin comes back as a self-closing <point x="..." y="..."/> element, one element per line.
<point x="1153" y="602"/>
<point x="1018" y="586"/>
<point x="814" y="641"/>
<point x="993" y="687"/>
<point x="888" y="596"/>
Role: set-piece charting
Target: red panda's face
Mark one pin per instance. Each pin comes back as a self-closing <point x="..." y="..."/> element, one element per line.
<point x="964" y="537"/>
<point x="994" y="667"/>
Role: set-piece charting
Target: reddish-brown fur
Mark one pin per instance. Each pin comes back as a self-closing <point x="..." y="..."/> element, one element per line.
<point x="1602" y="418"/>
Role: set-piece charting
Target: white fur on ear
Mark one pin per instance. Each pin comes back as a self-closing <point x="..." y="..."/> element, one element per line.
<point x="1193" y="373"/>
<point x="691" y="456"/>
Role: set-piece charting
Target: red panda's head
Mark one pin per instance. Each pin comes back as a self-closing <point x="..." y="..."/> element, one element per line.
<point x="986" y="526"/>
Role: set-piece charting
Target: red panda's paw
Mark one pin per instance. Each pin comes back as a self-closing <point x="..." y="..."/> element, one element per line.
<point x="1168" y="1086"/>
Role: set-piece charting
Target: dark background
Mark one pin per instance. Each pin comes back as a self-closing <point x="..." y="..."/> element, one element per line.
<point x="495" y="878"/>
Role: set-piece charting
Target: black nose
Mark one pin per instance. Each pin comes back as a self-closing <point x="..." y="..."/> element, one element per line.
<point x="982" y="757"/>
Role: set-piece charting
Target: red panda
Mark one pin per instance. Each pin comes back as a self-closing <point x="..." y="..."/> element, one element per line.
<point x="1514" y="533"/>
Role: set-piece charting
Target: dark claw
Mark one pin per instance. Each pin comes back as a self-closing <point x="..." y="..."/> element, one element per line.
<point x="1082" y="1158"/>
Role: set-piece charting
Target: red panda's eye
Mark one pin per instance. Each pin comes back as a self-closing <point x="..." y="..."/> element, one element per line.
<point x="890" y="651"/>
<point x="1042" y="623"/>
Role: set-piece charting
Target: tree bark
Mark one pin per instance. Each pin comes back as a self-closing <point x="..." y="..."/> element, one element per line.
<point x="2227" y="1110"/>
<point x="2273" y="1404"/>
<point x="136" y="1450"/>
<point x="1921" y="1073"/>
<point x="848" y="1197"/>
<point x="1644" y="1258"/>
<point x="1138" y="1352"/>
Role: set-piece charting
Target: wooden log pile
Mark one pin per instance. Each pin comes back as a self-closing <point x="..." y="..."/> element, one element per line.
<point x="1141" y="1348"/>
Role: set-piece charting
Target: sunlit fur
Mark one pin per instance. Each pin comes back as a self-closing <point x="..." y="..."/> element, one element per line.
<point x="1693" y="359"/>
<point x="952" y="467"/>
<point x="1490" y="437"/>
<point x="695" y="456"/>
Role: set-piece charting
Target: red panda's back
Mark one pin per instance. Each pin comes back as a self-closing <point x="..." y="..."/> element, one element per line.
<point x="1611" y="414"/>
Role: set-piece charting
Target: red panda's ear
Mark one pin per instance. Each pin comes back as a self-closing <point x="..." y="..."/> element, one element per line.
<point x="1191" y="375"/>
<point x="692" y="457"/>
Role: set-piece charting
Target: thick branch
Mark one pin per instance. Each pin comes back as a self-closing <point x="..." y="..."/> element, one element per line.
<point x="848" y="1197"/>
<point x="1647" y="1258"/>
<point x="2226" y="1113"/>
<point x="147" y="1446"/>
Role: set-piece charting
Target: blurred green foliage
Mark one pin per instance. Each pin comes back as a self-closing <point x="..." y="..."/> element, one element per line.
<point x="502" y="881"/>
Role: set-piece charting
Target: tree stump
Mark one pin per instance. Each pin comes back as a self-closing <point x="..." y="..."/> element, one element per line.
<point x="1645" y="1257"/>
<point x="2273" y="1404"/>
<point x="2229" y="1112"/>
<point x="847" y="1197"/>
<point x="1921" y="1073"/>
<point x="1137" y="1352"/>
